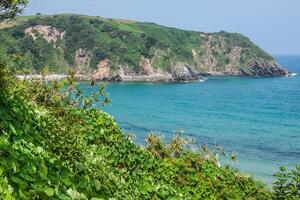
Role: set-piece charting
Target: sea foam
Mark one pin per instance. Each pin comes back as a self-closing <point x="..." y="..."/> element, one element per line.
<point x="294" y="74"/>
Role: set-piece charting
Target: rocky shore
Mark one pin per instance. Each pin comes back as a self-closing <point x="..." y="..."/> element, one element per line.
<point x="186" y="76"/>
<point x="182" y="72"/>
<point x="250" y="72"/>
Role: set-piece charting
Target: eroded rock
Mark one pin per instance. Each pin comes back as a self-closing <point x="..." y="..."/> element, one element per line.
<point x="103" y="72"/>
<point x="82" y="61"/>
<point x="145" y="63"/>
<point x="183" y="72"/>
<point x="49" y="33"/>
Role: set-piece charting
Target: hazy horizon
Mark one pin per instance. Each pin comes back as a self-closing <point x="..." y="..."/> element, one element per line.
<point x="272" y="25"/>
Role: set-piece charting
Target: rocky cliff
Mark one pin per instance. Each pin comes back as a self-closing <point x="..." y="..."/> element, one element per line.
<point x="123" y="50"/>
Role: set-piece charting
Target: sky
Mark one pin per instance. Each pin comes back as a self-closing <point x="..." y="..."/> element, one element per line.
<point x="274" y="25"/>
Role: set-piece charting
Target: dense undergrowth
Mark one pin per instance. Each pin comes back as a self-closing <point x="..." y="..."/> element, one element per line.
<point x="55" y="145"/>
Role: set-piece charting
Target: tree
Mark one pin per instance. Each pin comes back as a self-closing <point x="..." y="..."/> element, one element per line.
<point x="10" y="8"/>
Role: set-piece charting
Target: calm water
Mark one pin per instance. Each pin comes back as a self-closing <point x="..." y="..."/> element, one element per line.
<point x="257" y="117"/>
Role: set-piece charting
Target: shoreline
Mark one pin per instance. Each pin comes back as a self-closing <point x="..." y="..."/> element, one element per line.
<point x="142" y="78"/>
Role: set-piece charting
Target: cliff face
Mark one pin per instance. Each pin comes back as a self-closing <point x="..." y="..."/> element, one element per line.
<point x="119" y="50"/>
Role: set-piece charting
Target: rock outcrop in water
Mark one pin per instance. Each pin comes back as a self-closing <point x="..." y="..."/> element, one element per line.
<point x="118" y="50"/>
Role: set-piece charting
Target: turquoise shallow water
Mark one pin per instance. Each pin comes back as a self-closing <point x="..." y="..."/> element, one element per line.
<point x="257" y="117"/>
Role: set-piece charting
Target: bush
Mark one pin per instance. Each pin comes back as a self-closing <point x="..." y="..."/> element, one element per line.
<point x="287" y="185"/>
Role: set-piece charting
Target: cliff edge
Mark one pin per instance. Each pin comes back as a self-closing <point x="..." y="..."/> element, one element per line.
<point x="124" y="50"/>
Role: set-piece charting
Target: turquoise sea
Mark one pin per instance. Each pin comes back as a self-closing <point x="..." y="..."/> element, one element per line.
<point x="257" y="117"/>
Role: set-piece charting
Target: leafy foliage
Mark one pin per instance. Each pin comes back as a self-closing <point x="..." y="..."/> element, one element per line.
<point x="287" y="185"/>
<point x="10" y="8"/>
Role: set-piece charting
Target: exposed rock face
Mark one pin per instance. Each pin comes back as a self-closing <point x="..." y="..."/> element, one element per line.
<point x="234" y="58"/>
<point x="180" y="72"/>
<point x="255" y="71"/>
<point x="183" y="72"/>
<point x="207" y="61"/>
<point x="158" y="76"/>
<point x="7" y="23"/>
<point x="149" y="73"/>
<point x="47" y="32"/>
<point x="82" y="61"/>
<point x="103" y="72"/>
<point x="263" y="68"/>
<point x="145" y="63"/>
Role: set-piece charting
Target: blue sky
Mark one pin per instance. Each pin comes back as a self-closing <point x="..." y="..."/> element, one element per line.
<point x="272" y="24"/>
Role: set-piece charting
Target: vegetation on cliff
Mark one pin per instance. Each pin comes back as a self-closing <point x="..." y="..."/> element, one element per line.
<point x="82" y="42"/>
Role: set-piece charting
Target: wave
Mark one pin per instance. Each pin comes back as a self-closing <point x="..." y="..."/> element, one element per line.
<point x="294" y="74"/>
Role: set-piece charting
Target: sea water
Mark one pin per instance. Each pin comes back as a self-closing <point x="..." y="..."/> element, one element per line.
<point x="259" y="118"/>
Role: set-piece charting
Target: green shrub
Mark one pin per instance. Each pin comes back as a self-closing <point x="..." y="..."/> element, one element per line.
<point x="287" y="185"/>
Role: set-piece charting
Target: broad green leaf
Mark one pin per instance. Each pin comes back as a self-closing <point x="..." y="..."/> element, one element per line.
<point x="1" y="169"/>
<point x="20" y="182"/>
<point x="43" y="172"/>
<point x="22" y="195"/>
<point x="75" y="195"/>
<point x="49" y="192"/>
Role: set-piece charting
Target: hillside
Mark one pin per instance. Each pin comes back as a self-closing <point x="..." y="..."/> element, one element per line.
<point x="124" y="50"/>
